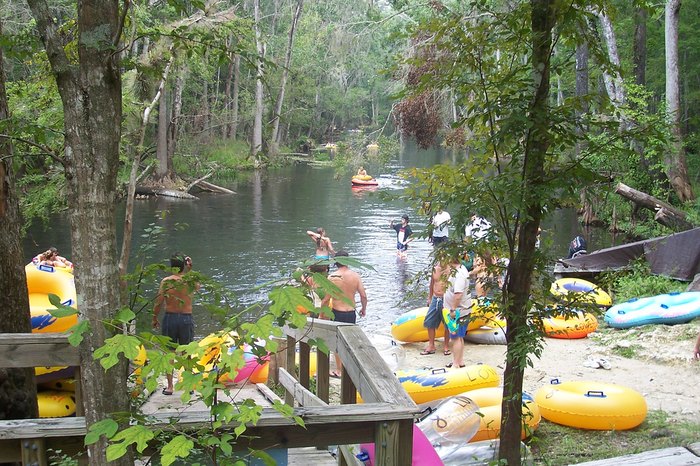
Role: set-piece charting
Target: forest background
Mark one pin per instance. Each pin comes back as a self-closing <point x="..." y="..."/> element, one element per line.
<point x="202" y="92"/>
<point x="285" y="75"/>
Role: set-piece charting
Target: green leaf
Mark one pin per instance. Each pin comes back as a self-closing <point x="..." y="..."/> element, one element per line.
<point x="62" y="310"/>
<point x="137" y="434"/>
<point x="76" y="335"/>
<point x="125" y="315"/>
<point x="178" y="447"/>
<point x="108" y="355"/>
<point x="106" y="427"/>
<point x="320" y="345"/>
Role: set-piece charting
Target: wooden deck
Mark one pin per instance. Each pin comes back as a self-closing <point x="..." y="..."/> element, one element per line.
<point x="386" y="417"/>
<point x="677" y="456"/>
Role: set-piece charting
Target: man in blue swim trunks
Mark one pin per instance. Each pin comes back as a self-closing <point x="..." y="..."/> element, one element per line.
<point x="458" y="301"/>
<point x="433" y="319"/>
<point x="175" y="295"/>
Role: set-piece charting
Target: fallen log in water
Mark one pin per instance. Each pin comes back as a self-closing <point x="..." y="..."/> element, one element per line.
<point x="665" y="213"/>
<point x="150" y="191"/>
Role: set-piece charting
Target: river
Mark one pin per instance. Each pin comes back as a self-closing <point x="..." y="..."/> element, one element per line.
<point x="259" y="234"/>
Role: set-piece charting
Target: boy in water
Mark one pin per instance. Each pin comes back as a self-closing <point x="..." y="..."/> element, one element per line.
<point x="403" y="235"/>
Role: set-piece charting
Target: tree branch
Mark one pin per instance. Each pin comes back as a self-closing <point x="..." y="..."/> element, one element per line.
<point x="46" y="149"/>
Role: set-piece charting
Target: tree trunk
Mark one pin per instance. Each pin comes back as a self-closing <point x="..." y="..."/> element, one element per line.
<point x="233" y="128"/>
<point x="613" y="83"/>
<point x="670" y="217"/>
<point x="226" y="128"/>
<point x="676" y="165"/>
<point x="91" y="96"/>
<point x="175" y="118"/>
<point x="131" y="190"/>
<point x="162" y="137"/>
<point x="206" y="106"/>
<point x="521" y="267"/>
<point x="639" y="55"/>
<point x="256" y="141"/>
<point x="17" y="386"/>
<point x="274" y="137"/>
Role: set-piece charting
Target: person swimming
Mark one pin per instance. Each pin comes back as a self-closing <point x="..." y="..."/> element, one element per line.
<point x="324" y="247"/>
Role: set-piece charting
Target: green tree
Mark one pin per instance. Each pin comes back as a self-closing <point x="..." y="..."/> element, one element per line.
<point x="90" y="90"/>
<point x="17" y="386"/>
<point x="522" y="162"/>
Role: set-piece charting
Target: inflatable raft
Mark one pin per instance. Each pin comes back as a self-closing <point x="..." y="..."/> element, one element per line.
<point x="42" y="281"/>
<point x="56" y="403"/>
<point x="577" y="289"/>
<point x="489" y="402"/>
<point x="408" y="327"/>
<point x="591" y="405"/>
<point x="433" y="384"/>
<point x="671" y="308"/>
<point x="569" y="326"/>
<point x="364" y="180"/>
<point x="254" y="370"/>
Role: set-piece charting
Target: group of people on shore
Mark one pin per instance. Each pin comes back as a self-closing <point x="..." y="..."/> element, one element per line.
<point x="449" y="286"/>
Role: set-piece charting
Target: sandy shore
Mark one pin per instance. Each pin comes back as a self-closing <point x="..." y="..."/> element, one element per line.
<point x="662" y="369"/>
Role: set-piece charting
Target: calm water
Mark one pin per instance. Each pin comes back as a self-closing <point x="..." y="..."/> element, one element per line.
<point x="259" y="234"/>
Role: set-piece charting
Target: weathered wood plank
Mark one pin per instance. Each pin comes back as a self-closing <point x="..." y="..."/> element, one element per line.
<point x="291" y="366"/>
<point x="36" y="350"/>
<point x="301" y="394"/>
<point x="304" y="363"/>
<point x="306" y="456"/>
<point x="374" y="380"/>
<point x="325" y="330"/>
<point x="677" y="456"/>
<point x="42" y="428"/>
<point x="323" y="384"/>
<point x="268" y="393"/>
<point x="694" y="448"/>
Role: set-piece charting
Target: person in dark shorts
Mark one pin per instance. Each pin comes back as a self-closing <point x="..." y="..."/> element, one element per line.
<point x="350" y="284"/>
<point x="403" y="235"/>
<point x="433" y="318"/>
<point x="175" y="298"/>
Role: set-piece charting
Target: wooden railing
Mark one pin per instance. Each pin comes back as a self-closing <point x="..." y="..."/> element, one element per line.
<point x="385" y="418"/>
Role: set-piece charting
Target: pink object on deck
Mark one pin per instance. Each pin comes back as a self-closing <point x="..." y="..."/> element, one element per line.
<point x="423" y="452"/>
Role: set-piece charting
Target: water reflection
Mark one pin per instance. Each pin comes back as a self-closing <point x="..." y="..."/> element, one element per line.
<point x="258" y="235"/>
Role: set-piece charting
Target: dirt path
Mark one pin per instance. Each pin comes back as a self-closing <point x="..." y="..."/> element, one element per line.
<point x="661" y="368"/>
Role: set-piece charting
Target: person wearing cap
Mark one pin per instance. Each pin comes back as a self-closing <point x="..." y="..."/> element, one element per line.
<point x="403" y="235"/>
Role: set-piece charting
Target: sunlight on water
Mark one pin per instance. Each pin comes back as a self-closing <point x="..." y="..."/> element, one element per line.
<point x="258" y="235"/>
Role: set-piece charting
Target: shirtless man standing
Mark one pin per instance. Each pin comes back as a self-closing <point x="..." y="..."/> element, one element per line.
<point x="350" y="283"/>
<point x="433" y="319"/>
<point x="175" y="295"/>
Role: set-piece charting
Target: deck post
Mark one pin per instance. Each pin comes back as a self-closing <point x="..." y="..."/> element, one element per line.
<point x="304" y="352"/>
<point x="79" y="408"/>
<point x="323" y="368"/>
<point x="33" y="451"/>
<point x="278" y="359"/>
<point x="291" y="366"/>
<point x="392" y="441"/>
